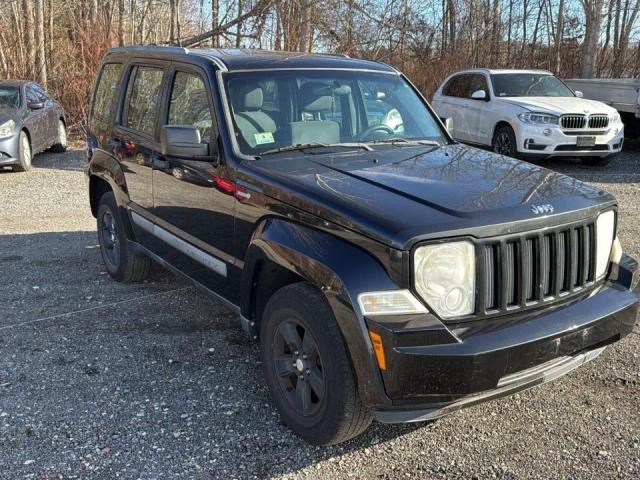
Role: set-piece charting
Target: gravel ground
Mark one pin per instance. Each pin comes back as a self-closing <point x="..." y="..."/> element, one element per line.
<point x="102" y="380"/>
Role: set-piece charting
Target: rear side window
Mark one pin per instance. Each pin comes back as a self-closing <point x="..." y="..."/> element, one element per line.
<point x="457" y="86"/>
<point x="143" y="99"/>
<point x="106" y="93"/>
<point x="189" y="104"/>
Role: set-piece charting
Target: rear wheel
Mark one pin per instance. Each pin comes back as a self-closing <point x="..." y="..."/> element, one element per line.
<point x="120" y="262"/>
<point x="24" y="153"/>
<point x="596" y="161"/>
<point x="61" y="144"/>
<point x="307" y="368"/>
<point x="504" y="141"/>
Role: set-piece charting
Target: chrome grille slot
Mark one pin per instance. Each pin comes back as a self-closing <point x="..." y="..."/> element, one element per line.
<point x="529" y="269"/>
<point x="598" y="121"/>
<point x="573" y="121"/>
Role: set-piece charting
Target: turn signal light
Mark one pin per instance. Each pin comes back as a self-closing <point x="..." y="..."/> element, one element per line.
<point x="376" y="340"/>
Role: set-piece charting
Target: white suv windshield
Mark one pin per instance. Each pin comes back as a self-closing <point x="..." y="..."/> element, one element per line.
<point x="528" y="85"/>
<point x="274" y="110"/>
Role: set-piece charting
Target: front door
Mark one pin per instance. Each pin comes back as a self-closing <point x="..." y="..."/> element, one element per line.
<point x="36" y="121"/>
<point x="194" y="200"/>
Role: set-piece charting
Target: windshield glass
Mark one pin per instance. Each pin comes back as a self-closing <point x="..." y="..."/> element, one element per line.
<point x="279" y="109"/>
<point x="9" y="97"/>
<point x="529" y="85"/>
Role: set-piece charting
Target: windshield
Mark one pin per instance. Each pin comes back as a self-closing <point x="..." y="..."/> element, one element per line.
<point x="278" y="110"/>
<point x="9" y="97"/>
<point x="529" y="85"/>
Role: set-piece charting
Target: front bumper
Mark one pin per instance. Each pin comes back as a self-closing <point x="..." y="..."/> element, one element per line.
<point x="532" y="141"/>
<point x="434" y="369"/>
<point x="9" y="150"/>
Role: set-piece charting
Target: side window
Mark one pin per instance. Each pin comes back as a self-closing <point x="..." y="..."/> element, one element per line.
<point x="41" y="92"/>
<point x="106" y="93"/>
<point x="478" y="82"/>
<point x="452" y="87"/>
<point x="189" y="104"/>
<point x="31" y="94"/>
<point x="143" y="98"/>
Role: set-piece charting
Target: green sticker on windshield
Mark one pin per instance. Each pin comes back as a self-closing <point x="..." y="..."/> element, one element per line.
<point x="263" y="137"/>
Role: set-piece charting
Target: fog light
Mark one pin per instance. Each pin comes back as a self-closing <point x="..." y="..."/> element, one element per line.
<point x="547" y="131"/>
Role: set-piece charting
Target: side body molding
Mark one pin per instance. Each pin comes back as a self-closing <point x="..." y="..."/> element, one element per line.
<point x="339" y="269"/>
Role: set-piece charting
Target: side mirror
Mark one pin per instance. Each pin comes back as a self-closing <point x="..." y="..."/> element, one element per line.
<point x="448" y="123"/>
<point x="479" y="95"/>
<point x="36" y="105"/>
<point x="182" y="141"/>
<point x="579" y="94"/>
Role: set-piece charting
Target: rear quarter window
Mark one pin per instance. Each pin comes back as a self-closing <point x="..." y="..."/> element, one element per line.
<point x="104" y="100"/>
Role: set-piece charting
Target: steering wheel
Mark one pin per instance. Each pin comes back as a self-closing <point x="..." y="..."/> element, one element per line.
<point x="375" y="128"/>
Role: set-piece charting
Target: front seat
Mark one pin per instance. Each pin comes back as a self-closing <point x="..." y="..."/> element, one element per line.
<point x="249" y="116"/>
<point x="313" y="99"/>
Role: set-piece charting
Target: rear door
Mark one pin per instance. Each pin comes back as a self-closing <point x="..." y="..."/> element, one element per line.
<point x="135" y="137"/>
<point x="453" y="103"/>
<point x="194" y="200"/>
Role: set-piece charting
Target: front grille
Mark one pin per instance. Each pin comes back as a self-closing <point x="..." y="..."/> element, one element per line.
<point x="598" y="121"/>
<point x="522" y="271"/>
<point x="573" y="121"/>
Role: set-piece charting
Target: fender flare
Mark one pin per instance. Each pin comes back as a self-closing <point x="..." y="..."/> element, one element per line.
<point x="340" y="270"/>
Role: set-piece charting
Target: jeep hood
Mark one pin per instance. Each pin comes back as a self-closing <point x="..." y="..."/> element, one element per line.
<point x="559" y="105"/>
<point x="399" y="195"/>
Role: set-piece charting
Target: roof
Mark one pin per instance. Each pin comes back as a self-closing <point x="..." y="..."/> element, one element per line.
<point x="250" y="59"/>
<point x="498" y="71"/>
<point x="14" y="83"/>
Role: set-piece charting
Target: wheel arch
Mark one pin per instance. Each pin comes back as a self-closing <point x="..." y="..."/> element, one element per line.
<point x="285" y="252"/>
<point x="501" y="123"/>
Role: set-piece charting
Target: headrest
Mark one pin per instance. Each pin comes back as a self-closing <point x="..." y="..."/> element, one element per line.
<point x="315" y="97"/>
<point x="249" y="97"/>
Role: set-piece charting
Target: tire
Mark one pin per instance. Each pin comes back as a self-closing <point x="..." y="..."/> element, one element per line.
<point x="504" y="141"/>
<point x="596" y="161"/>
<point x="24" y="153"/>
<point x="120" y="262"/>
<point x="61" y="145"/>
<point x="315" y="351"/>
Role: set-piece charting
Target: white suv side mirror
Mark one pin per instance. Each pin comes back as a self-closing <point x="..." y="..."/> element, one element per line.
<point x="479" y="95"/>
<point x="579" y="94"/>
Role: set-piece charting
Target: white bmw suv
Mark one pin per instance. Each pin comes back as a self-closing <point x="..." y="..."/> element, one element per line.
<point x="528" y="114"/>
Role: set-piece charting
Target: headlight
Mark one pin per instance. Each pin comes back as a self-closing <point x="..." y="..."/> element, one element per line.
<point x="538" y="118"/>
<point x="7" y="129"/>
<point x="445" y="277"/>
<point x="605" y="226"/>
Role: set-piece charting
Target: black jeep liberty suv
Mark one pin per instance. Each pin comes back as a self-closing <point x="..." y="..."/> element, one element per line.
<point x="387" y="271"/>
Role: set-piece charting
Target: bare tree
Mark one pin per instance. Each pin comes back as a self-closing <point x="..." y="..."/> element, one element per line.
<point x="593" y="21"/>
<point x="29" y="39"/>
<point x="41" y="57"/>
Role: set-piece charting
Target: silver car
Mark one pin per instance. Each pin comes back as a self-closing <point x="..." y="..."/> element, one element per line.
<point x="30" y="122"/>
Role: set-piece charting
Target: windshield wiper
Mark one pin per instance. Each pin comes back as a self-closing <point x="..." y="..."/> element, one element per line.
<point x="304" y="146"/>
<point x="405" y="141"/>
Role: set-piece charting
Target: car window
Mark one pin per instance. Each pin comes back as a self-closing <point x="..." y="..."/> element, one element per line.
<point x="9" y="97"/>
<point x="31" y="94"/>
<point x="41" y="92"/>
<point x="285" y="108"/>
<point x="143" y="98"/>
<point x="477" y="82"/>
<point x="458" y="86"/>
<point x="106" y="93"/>
<point x="189" y="104"/>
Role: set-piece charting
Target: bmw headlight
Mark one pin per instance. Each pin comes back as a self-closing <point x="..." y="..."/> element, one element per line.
<point x="445" y="277"/>
<point x="538" y="118"/>
<point x="7" y="129"/>
<point x="605" y="229"/>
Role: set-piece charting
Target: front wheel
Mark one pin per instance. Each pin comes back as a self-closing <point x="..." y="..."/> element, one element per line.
<point x="596" y="161"/>
<point x="24" y="153"/>
<point x="504" y="141"/>
<point x="120" y="262"/>
<point x="307" y="368"/>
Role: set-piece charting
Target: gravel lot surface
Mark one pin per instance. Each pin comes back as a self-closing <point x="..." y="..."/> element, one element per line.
<point x="102" y="380"/>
